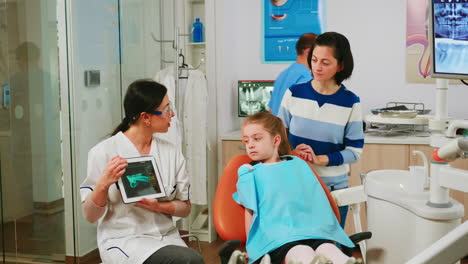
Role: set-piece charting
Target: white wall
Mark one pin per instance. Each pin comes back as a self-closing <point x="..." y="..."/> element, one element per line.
<point x="376" y="30"/>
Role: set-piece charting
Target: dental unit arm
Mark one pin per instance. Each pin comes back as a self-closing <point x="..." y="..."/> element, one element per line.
<point x="451" y="151"/>
<point x="451" y="247"/>
<point x="444" y="177"/>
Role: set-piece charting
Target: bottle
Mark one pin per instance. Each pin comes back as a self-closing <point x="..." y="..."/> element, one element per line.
<point x="197" y="31"/>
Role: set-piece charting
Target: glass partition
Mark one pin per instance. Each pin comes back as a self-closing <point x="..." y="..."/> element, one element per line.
<point x="30" y="140"/>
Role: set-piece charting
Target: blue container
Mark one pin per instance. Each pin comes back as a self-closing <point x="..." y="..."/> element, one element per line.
<point x="197" y="31"/>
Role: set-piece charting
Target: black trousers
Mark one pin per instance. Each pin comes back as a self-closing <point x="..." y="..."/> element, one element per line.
<point x="175" y="255"/>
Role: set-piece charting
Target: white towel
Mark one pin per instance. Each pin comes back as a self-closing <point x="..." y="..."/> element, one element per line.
<point x="195" y="134"/>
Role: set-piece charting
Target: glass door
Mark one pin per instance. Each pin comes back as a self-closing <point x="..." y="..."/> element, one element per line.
<point x="146" y="43"/>
<point x="32" y="200"/>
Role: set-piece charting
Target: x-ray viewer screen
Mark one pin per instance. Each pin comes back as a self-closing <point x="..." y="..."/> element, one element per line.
<point x="140" y="179"/>
<point x="253" y="96"/>
<point x="450" y="35"/>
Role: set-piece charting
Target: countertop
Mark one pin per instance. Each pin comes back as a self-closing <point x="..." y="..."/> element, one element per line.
<point x="235" y="135"/>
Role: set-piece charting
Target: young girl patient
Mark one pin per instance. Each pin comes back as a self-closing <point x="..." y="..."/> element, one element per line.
<point x="287" y="213"/>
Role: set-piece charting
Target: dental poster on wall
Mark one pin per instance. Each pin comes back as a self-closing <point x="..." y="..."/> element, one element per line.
<point x="284" y="21"/>
<point x="418" y="60"/>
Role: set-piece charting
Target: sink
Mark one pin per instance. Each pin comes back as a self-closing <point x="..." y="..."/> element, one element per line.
<point x="389" y="183"/>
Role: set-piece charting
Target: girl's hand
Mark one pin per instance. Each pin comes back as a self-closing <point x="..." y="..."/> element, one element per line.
<point x="320" y="160"/>
<point x="114" y="170"/>
<point x="305" y="152"/>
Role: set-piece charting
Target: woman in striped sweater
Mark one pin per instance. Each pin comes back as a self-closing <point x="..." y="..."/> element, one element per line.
<point x="323" y="117"/>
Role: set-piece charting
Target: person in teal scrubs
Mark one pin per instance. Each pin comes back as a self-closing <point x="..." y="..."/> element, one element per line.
<point x="298" y="72"/>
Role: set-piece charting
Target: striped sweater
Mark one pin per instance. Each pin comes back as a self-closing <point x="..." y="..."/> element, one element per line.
<point x="330" y="124"/>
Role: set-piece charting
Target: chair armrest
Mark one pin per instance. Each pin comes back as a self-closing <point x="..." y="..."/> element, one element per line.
<point x="351" y="195"/>
<point x="227" y="248"/>
<point x="356" y="239"/>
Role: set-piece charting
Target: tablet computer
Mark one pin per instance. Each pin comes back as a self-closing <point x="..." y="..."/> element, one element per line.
<point x="141" y="179"/>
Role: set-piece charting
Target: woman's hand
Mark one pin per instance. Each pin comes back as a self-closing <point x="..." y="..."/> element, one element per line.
<point x="114" y="170"/>
<point x="174" y="208"/>
<point x="320" y="160"/>
<point x="153" y="205"/>
<point x="305" y="152"/>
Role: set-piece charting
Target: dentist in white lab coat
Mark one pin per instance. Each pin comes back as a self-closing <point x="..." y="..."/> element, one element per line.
<point x="141" y="232"/>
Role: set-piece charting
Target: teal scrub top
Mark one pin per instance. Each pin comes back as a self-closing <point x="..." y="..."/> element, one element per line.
<point x="288" y="204"/>
<point x="294" y="74"/>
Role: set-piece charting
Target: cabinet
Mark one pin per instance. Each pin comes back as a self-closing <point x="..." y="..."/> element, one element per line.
<point x="375" y="156"/>
<point x="231" y="148"/>
<point x="195" y="51"/>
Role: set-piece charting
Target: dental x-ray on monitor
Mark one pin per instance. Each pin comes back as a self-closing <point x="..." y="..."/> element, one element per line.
<point x="253" y="96"/>
<point x="448" y="38"/>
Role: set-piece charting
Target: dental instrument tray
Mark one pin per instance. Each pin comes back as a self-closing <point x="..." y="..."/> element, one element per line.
<point x="141" y="179"/>
<point x="400" y="110"/>
<point x="398" y="113"/>
<point x="398" y="119"/>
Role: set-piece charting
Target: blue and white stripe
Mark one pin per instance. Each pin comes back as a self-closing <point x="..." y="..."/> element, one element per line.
<point x="330" y="124"/>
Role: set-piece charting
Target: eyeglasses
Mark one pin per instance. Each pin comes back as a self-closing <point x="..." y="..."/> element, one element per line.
<point x="165" y="112"/>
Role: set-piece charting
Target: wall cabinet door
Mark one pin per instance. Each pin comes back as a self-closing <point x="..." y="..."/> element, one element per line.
<point x="379" y="157"/>
<point x="231" y="148"/>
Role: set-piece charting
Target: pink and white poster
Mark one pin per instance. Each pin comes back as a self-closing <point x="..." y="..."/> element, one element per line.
<point x="418" y="60"/>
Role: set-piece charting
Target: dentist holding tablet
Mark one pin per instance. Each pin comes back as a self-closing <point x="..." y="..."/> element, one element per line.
<point x="140" y="232"/>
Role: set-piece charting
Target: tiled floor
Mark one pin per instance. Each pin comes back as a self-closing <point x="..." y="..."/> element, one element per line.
<point x="210" y="253"/>
<point x="43" y="234"/>
<point x="34" y="239"/>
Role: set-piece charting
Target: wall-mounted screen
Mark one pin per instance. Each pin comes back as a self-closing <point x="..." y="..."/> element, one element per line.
<point x="253" y="96"/>
<point x="449" y="38"/>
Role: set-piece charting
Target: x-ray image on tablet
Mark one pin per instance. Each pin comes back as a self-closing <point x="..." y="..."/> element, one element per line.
<point x="141" y="180"/>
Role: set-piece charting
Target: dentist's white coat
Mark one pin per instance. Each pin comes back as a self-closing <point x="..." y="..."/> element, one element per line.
<point x="128" y="233"/>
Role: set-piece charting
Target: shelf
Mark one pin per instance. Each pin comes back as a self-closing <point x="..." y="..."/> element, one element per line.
<point x="196" y="43"/>
<point x="199" y="231"/>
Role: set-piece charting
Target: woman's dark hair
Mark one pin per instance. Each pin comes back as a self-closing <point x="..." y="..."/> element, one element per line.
<point x="274" y="125"/>
<point x="142" y="96"/>
<point x="342" y="53"/>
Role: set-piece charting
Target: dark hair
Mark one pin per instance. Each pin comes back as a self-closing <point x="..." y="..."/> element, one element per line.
<point x="342" y="53"/>
<point x="274" y="125"/>
<point x="27" y="51"/>
<point x="142" y="96"/>
<point x="304" y="42"/>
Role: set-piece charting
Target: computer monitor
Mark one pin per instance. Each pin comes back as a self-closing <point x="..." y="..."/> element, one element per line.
<point x="448" y="38"/>
<point x="253" y="96"/>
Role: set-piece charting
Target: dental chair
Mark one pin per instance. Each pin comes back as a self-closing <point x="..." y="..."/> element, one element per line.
<point x="228" y="216"/>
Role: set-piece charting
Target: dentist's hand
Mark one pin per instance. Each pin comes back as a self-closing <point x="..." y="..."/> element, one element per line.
<point x="114" y="170"/>
<point x="152" y="205"/>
